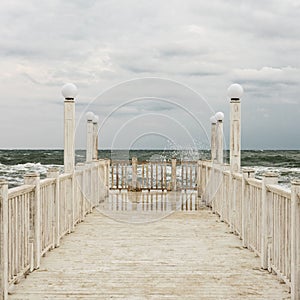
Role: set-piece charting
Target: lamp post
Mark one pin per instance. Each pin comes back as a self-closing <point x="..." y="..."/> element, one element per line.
<point x="69" y="91"/>
<point x="235" y="91"/>
<point x="213" y="149"/>
<point x="219" y="117"/>
<point x="95" y="137"/>
<point x="89" y="136"/>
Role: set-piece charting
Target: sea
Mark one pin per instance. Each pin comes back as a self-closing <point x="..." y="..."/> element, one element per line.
<point x="14" y="164"/>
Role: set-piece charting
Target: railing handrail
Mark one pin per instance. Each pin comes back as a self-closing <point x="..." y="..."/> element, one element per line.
<point x="254" y="182"/>
<point x="46" y="182"/>
<point x="20" y="190"/>
<point x="279" y="190"/>
<point x="264" y="214"/>
<point x="46" y="210"/>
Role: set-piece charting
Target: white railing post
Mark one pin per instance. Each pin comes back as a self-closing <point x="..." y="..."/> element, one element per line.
<point x="268" y="178"/>
<point x="219" y="137"/>
<point x="54" y="173"/>
<point x="107" y="175"/>
<point x="213" y="138"/>
<point x="80" y="182"/>
<point x="102" y="180"/>
<point x="3" y="239"/>
<point x="89" y="184"/>
<point x="95" y="137"/>
<point x="69" y="91"/>
<point x="35" y="208"/>
<point x="235" y="91"/>
<point x="199" y="178"/>
<point x="247" y="173"/>
<point x="134" y="173"/>
<point x="173" y="174"/>
<point x="295" y="240"/>
<point x="95" y="181"/>
<point x="89" y="136"/>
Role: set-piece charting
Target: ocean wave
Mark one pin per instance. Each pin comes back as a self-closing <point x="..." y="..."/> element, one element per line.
<point x="14" y="174"/>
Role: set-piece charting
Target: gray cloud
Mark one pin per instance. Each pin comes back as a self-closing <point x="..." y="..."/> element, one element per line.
<point x="206" y="45"/>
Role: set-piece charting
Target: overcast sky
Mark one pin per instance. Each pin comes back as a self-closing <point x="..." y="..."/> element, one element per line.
<point x="189" y="52"/>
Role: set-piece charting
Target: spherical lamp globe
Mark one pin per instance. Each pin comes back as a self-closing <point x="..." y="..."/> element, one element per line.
<point x="219" y="116"/>
<point x="89" y="116"/>
<point x="69" y="91"/>
<point x="235" y="91"/>
<point x="213" y="120"/>
<point x="96" y="119"/>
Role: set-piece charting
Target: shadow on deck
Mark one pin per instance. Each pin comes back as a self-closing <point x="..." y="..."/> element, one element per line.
<point x="179" y="250"/>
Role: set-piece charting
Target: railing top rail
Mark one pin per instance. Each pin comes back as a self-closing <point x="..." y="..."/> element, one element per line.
<point x="237" y="176"/>
<point x="226" y="173"/>
<point x="178" y="162"/>
<point x="65" y="176"/>
<point x="47" y="181"/>
<point x="20" y="190"/>
<point x="279" y="190"/>
<point x="254" y="182"/>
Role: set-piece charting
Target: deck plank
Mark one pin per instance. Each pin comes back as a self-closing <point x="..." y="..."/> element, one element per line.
<point x="186" y="255"/>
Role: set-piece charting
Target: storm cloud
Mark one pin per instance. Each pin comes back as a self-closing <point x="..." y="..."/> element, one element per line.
<point x="203" y="45"/>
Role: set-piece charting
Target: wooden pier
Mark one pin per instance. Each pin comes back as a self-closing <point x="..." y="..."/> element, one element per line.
<point x="185" y="255"/>
<point x="150" y="230"/>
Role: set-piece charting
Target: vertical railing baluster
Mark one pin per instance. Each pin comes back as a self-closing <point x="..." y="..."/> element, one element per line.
<point x="151" y="176"/>
<point x="143" y="175"/>
<point x="165" y="176"/>
<point x="117" y="175"/>
<point x="112" y="175"/>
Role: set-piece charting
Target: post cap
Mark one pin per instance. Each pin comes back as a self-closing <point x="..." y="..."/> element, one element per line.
<point x="213" y="120"/>
<point x="53" y="169"/>
<point x="96" y="119"/>
<point x="248" y="170"/>
<point x="89" y="116"/>
<point x="219" y="116"/>
<point x="32" y="174"/>
<point x="3" y="181"/>
<point x="69" y="91"/>
<point x="270" y="174"/>
<point x="235" y="91"/>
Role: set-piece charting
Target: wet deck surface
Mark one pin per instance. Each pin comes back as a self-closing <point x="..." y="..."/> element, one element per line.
<point x="186" y="254"/>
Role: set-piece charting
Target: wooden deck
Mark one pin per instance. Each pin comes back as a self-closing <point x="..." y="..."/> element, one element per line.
<point x="185" y="255"/>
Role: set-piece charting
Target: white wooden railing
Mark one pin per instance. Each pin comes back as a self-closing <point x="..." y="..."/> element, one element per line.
<point x="153" y="175"/>
<point x="35" y="216"/>
<point x="265" y="215"/>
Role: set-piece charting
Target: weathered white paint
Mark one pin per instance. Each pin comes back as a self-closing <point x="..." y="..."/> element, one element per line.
<point x="3" y="239"/>
<point x="188" y="255"/>
<point x="90" y="152"/>
<point x="69" y="135"/>
<point x="213" y="142"/>
<point x="95" y="140"/>
<point x="266" y="224"/>
<point x="134" y="173"/>
<point x="247" y="173"/>
<point x="34" y="179"/>
<point x="235" y="135"/>
<point x="295" y="240"/>
<point x="219" y="138"/>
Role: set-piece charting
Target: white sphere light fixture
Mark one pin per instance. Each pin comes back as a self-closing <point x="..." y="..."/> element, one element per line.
<point x="96" y="119"/>
<point x="213" y="120"/>
<point x="69" y="91"/>
<point x="235" y="91"/>
<point x="89" y="116"/>
<point x="219" y="116"/>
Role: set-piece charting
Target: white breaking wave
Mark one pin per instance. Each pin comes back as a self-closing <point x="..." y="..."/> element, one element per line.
<point x="14" y="174"/>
